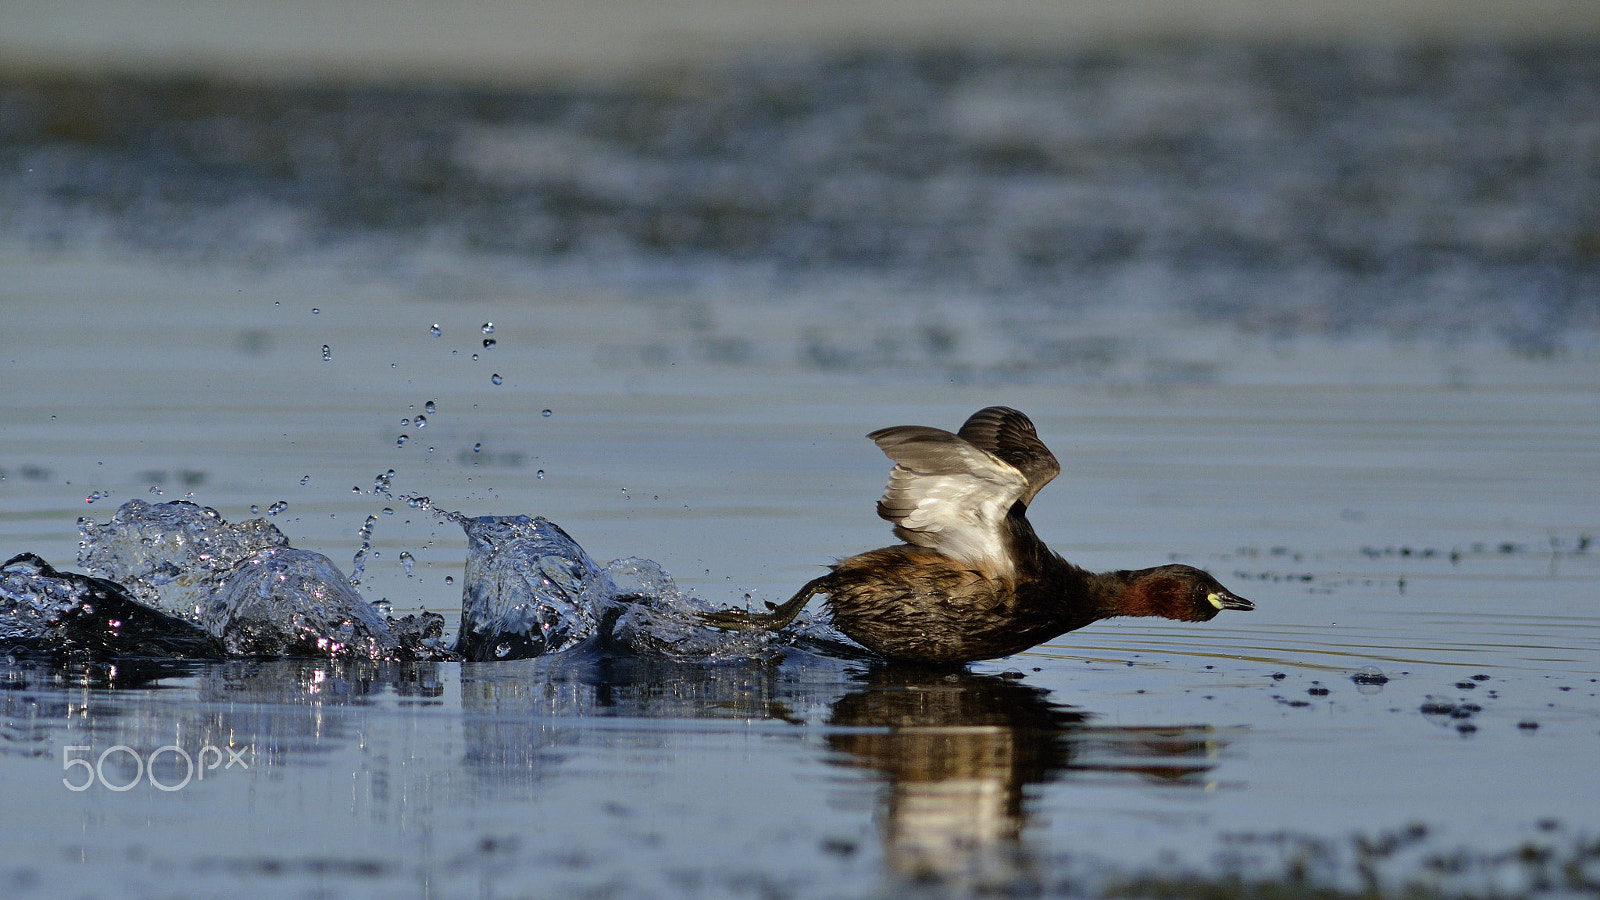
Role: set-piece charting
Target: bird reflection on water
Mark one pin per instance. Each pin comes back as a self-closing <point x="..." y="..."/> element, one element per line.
<point x="958" y="753"/>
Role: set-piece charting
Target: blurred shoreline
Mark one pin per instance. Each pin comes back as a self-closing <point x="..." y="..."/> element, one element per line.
<point x="509" y="41"/>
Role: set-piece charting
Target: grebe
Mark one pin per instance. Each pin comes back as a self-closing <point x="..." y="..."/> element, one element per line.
<point x="972" y="581"/>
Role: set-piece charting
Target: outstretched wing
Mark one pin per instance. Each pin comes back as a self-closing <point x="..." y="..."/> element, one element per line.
<point x="948" y="495"/>
<point x="1009" y="435"/>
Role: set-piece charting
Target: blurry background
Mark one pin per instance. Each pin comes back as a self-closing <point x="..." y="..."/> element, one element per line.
<point x="510" y="40"/>
<point x="1414" y="169"/>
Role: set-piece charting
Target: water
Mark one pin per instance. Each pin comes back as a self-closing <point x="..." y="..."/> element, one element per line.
<point x="1381" y="427"/>
<point x="47" y="612"/>
<point x="1438" y="190"/>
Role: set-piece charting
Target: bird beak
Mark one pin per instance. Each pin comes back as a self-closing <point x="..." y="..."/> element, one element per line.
<point x="1226" y="599"/>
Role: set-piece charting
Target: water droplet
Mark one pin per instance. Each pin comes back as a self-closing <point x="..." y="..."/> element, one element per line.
<point x="429" y="408"/>
<point x="545" y="413"/>
<point x="315" y="311"/>
<point x="435" y="330"/>
<point x="305" y="479"/>
<point x="474" y="357"/>
<point x="278" y="507"/>
<point x="540" y="473"/>
<point x="405" y="422"/>
<point x="488" y="343"/>
<point x="488" y="328"/>
<point x="255" y="510"/>
<point x="502" y="650"/>
<point x="1369" y="675"/>
<point x="495" y="378"/>
<point x="155" y="489"/>
<point x="449" y="579"/>
<point x="477" y="448"/>
<point x="407" y="560"/>
<point x="387" y="511"/>
<point x="422" y="422"/>
<point x="401" y="440"/>
<point x="355" y="488"/>
<point x="327" y="353"/>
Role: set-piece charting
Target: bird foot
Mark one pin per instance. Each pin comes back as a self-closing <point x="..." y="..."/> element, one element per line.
<point x="740" y="620"/>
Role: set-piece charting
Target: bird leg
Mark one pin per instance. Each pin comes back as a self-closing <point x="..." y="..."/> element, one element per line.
<point x="741" y="620"/>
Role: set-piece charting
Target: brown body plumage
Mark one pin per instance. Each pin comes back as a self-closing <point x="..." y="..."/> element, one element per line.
<point x="973" y="581"/>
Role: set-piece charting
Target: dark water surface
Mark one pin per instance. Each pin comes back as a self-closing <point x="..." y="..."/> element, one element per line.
<point x="1383" y="427"/>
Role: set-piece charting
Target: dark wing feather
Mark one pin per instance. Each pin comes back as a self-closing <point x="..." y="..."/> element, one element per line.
<point x="1010" y="435"/>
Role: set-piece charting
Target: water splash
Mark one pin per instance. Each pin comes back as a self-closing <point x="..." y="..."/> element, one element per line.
<point x="358" y="565"/>
<point x="243" y="584"/>
<point x="46" y="611"/>
<point x="531" y="590"/>
<point x="171" y="555"/>
<point x="288" y="602"/>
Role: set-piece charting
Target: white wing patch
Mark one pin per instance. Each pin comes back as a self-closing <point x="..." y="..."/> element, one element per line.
<point x="947" y="495"/>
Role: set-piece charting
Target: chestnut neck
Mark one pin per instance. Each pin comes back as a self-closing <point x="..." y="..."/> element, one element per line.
<point x="1135" y="592"/>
